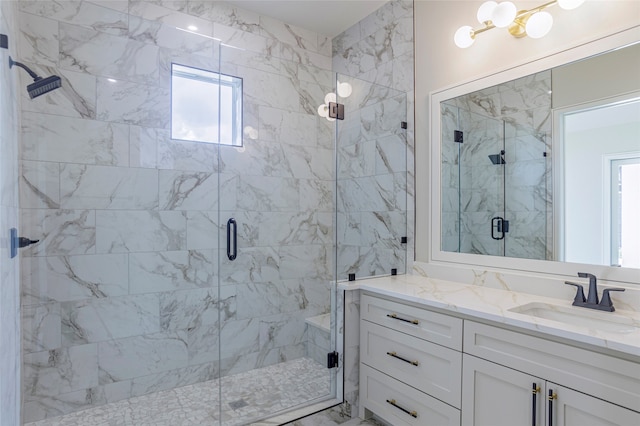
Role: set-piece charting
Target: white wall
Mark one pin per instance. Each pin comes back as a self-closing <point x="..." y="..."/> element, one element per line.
<point x="439" y="63"/>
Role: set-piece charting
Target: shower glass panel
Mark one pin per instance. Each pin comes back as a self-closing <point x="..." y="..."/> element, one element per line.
<point x="495" y="184"/>
<point x="276" y="243"/>
<point x="371" y="146"/>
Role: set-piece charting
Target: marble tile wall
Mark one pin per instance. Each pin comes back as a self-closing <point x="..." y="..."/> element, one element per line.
<point x="375" y="160"/>
<point x="10" y="368"/>
<point x="475" y="190"/>
<point x="120" y="297"/>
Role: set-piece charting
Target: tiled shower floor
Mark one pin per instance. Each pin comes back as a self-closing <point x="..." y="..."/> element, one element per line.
<point x="246" y="396"/>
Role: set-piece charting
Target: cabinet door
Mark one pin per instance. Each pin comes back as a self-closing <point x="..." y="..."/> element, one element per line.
<point x="493" y="395"/>
<point x="571" y="408"/>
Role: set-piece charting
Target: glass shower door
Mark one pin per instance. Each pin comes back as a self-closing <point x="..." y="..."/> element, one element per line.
<point x="276" y="240"/>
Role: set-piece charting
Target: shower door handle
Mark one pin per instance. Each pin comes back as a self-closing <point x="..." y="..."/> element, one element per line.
<point x="500" y="225"/>
<point x="232" y="254"/>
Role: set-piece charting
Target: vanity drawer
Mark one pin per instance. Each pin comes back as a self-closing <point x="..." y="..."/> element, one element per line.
<point x="603" y="376"/>
<point x="398" y="403"/>
<point x="428" y="367"/>
<point x="437" y="328"/>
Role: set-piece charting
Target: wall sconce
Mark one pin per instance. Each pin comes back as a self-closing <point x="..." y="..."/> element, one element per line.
<point x="344" y="91"/>
<point x="535" y="23"/>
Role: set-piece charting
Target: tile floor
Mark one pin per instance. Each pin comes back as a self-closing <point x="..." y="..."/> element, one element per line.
<point x="332" y="417"/>
<point x="247" y="396"/>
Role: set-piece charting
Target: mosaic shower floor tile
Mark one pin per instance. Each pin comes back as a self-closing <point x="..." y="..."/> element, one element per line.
<point x="246" y="396"/>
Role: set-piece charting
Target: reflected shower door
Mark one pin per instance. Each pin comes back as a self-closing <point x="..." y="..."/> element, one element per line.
<point x="481" y="161"/>
<point x="276" y="217"/>
<point x="371" y="180"/>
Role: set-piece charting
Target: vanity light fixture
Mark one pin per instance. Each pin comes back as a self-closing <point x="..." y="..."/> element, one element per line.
<point x="535" y="23"/>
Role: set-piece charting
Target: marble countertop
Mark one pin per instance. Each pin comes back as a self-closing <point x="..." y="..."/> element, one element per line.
<point x="496" y="305"/>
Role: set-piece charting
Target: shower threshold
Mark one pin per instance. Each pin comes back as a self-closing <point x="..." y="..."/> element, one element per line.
<point x="252" y="397"/>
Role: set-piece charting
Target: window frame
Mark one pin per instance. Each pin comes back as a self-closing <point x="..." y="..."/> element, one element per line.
<point x="220" y="80"/>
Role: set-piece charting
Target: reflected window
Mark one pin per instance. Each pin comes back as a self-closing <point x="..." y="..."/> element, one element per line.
<point x="625" y="211"/>
<point x="205" y="106"/>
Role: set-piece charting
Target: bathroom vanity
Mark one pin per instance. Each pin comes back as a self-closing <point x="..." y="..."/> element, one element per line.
<point x="434" y="352"/>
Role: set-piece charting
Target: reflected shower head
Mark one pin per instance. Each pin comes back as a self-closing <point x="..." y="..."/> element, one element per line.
<point x="40" y="85"/>
<point x="497" y="158"/>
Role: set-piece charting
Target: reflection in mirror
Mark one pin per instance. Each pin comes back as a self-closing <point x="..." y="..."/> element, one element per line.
<point x="601" y="153"/>
<point x="495" y="174"/>
<point x="525" y="174"/>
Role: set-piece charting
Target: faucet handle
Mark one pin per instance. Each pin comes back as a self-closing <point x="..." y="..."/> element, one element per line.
<point x="606" y="299"/>
<point x="579" y="299"/>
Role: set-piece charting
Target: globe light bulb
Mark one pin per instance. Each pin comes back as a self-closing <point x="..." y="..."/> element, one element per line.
<point x="504" y="14"/>
<point x="330" y="97"/>
<point x="539" y="24"/>
<point x="344" y="90"/>
<point x="485" y="11"/>
<point x="464" y="38"/>
<point x="569" y="4"/>
<point x="323" y="111"/>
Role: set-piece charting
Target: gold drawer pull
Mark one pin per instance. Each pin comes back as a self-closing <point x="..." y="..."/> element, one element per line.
<point x="413" y="414"/>
<point x="395" y="316"/>
<point x="395" y="355"/>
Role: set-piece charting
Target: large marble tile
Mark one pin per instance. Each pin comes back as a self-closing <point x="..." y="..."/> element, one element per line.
<point x="60" y="232"/>
<point x="202" y="230"/>
<point x="118" y="58"/>
<point x="81" y="13"/>
<point x="98" y="320"/>
<point x="41" y="327"/>
<point x="143" y="147"/>
<point x="188" y="190"/>
<point x="62" y="370"/>
<point x="171" y="270"/>
<point x="133" y="103"/>
<point x="171" y="13"/>
<point x="138" y="231"/>
<point x="119" y="359"/>
<point x="74" y="140"/>
<point x="38" y="39"/>
<point x="40" y="185"/>
<point x="102" y="187"/>
<point x="67" y="278"/>
<point x="171" y="37"/>
<point x="186" y="155"/>
<point x="285" y="127"/>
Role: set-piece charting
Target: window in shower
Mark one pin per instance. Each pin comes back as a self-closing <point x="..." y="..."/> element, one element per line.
<point x="206" y="106"/>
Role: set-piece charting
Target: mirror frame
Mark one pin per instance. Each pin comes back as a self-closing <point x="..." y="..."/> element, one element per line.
<point x="436" y="255"/>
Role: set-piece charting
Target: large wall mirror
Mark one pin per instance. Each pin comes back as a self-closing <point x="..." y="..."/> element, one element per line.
<point x="541" y="167"/>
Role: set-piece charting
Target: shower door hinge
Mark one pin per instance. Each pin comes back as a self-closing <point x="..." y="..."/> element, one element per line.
<point x="336" y="111"/>
<point x="458" y="136"/>
<point x="332" y="359"/>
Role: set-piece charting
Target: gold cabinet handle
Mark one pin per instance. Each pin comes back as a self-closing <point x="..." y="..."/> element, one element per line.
<point x="413" y="414"/>
<point x="395" y="355"/>
<point x="396" y="317"/>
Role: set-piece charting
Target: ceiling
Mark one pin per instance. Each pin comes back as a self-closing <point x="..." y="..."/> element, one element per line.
<point x="328" y="17"/>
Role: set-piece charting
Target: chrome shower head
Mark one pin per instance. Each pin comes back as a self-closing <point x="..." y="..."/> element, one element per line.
<point x="40" y="85"/>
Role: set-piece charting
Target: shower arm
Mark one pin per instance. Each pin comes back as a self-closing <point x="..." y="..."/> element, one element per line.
<point x="33" y="75"/>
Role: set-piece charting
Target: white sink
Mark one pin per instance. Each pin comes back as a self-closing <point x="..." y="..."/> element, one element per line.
<point x="583" y="317"/>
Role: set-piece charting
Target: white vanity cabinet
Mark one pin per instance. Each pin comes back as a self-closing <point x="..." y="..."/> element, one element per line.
<point x="525" y="380"/>
<point x="410" y="371"/>
<point x="494" y="395"/>
<point x="417" y="367"/>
